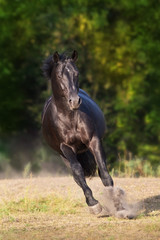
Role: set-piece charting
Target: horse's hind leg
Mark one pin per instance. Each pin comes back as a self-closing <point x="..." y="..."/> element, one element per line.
<point x="97" y="150"/>
<point x="79" y="177"/>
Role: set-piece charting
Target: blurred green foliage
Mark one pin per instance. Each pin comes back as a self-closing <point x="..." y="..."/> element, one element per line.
<point x="119" y="58"/>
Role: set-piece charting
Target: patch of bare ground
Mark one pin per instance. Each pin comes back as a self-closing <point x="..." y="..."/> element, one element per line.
<point x="77" y="223"/>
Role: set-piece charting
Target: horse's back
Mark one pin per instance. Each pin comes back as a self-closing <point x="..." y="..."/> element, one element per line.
<point x="93" y="111"/>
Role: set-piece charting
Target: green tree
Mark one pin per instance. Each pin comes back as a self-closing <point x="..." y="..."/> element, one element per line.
<point x="119" y="55"/>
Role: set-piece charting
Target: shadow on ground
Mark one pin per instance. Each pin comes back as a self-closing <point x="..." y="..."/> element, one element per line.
<point x="151" y="204"/>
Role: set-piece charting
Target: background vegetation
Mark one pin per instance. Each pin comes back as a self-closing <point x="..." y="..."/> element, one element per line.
<point x="119" y="58"/>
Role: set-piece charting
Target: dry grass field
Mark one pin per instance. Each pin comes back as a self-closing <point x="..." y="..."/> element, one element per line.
<point x="53" y="208"/>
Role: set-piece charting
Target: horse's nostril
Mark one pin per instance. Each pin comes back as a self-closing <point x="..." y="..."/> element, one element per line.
<point x="75" y="102"/>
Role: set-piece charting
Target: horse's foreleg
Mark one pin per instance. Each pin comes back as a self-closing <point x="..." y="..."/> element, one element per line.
<point x="79" y="177"/>
<point x="97" y="150"/>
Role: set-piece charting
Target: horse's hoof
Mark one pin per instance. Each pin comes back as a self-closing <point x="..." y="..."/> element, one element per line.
<point x="96" y="209"/>
<point x="104" y="213"/>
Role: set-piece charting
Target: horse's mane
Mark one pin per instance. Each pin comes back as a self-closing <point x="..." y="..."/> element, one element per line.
<point x="48" y="64"/>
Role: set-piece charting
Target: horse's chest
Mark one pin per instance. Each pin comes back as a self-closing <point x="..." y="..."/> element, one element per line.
<point x="73" y="138"/>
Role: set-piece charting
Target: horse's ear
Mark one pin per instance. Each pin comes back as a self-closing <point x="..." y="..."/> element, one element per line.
<point x="74" y="55"/>
<point x="56" y="57"/>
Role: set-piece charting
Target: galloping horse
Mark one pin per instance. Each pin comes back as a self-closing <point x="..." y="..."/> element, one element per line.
<point x="73" y="125"/>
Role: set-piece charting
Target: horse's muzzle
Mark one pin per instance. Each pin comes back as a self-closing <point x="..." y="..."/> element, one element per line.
<point x="75" y="103"/>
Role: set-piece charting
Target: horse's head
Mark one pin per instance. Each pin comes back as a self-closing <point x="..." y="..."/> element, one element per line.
<point x="65" y="79"/>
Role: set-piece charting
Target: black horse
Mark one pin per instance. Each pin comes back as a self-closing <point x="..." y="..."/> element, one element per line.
<point x="73" y="125"/>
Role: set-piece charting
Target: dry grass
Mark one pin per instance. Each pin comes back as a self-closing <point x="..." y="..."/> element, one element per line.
<point x="54" y="208"/>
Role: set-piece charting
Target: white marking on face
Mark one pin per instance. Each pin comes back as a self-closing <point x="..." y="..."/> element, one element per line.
<point x="67" y="69"/>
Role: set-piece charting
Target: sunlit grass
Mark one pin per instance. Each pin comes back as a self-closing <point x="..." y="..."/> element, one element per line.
<point x="51" y="204"/>
<point x="61" y="215"/>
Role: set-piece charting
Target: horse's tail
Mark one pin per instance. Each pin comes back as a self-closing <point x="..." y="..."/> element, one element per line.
<point x="88" y="163"/>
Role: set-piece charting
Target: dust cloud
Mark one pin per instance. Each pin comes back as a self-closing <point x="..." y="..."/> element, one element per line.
<point x="114" y="203"/>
